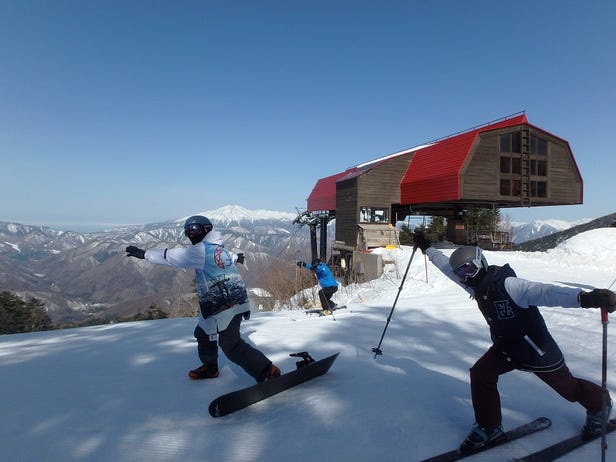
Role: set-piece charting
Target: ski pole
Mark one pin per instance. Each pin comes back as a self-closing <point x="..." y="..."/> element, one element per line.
<point x="377" y="350"/>
<point x="604" y="392"/>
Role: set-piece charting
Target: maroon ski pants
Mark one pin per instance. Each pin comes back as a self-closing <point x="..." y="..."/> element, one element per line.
<point x="486" y="399"/>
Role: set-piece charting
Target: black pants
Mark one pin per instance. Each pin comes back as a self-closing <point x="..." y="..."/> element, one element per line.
<point x="237" y="350"/>
<point x="486" y="398"/>
<point x="325" y="296"/>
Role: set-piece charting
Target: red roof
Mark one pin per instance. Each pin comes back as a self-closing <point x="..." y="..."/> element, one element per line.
<point x="434" y="172"/>
<point x="432" y="176"/>
<point x="323" y="195"/>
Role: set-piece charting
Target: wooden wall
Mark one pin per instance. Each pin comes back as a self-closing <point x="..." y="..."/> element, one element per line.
<point x="480" y="175"/>
<point x="378" y="187"/>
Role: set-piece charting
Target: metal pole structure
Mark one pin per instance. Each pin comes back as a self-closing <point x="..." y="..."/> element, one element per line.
<point x="604" y="394"/>
<point x="377" y="350"/>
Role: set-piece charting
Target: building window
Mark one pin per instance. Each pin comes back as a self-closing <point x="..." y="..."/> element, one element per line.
<point x="511" y="142"/>
<point x="511" y="165"/>
<point x="538" y="146"/>
<point x="516" y="165"/>
<point x="516" y="188"/>
<point x="538" y="167"/>
<point x="510" y="187"/>
<point x="505" y="187"/>
<point x="538" y="189"/>
<point x="373" y="215"/>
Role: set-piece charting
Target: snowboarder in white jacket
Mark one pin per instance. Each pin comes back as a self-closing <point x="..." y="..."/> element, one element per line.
<point x="223" y="301"/>
<point x="520" y="337"/>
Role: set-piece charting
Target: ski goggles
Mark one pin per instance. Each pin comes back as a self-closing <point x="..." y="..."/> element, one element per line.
<point x="193" y="230"/>
<point x="467" y="271"/>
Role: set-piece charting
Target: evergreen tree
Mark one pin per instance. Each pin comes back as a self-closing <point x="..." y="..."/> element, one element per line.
<point x="17" y="316"/>
<point x="405" y="235"/>
<point x="481" y="221"/>
<point x="435" y="231"/>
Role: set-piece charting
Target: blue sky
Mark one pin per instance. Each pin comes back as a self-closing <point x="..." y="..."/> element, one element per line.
<point x="130" y="112"/>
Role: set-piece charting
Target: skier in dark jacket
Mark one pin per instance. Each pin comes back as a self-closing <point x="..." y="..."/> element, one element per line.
<point x="326" y="280"/>
<point x="520" y="337"/>
<point x="223" y="301"/>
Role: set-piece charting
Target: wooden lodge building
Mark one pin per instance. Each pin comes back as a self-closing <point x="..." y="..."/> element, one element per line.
<point x="503" y="164"/>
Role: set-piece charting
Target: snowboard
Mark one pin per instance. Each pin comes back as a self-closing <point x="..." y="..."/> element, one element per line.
<point x="307" y="369"/>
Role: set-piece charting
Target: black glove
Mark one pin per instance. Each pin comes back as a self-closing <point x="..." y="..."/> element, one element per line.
<point x="421" y="241"/>
<point x="240" y="258"/>
<point x="301" y="264"/>
<point x="598" y="298"/>
<point x="132" y="251"/>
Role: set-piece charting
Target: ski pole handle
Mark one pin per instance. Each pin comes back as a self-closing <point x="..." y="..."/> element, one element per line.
<point x="604" y="316"/>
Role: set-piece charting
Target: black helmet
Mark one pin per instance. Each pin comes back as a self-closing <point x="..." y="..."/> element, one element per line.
<point x="316" y="262"/>
<point x="469" y="264"/>
<point x="196" y="227"/>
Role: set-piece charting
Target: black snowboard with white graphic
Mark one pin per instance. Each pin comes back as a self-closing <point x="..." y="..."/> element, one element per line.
<point x="307" y="369"/>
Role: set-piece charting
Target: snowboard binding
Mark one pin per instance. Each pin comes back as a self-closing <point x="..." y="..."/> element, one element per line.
<point x="306" y="359"/>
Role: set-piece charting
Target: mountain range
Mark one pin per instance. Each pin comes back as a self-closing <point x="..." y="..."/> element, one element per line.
<point x="84" y="275"/>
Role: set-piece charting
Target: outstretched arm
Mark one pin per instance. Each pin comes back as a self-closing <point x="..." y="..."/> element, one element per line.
<point x="179" y="257"/>
<point x="437" y="258"/>
<point x="526" y="293"/>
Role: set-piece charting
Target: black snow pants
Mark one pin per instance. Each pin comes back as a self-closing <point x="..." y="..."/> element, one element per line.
<point x="325" y="296"/>
<point x="237" y="350"/>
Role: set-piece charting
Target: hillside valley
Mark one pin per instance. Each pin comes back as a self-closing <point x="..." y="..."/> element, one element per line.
<point x="80" y="276"/>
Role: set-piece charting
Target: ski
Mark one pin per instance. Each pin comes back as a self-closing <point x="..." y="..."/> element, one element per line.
<point x="307" y="369"/>
<point x="563" y="447"/>
<point x="319" y="311"/>
<point x="523" y="430"/>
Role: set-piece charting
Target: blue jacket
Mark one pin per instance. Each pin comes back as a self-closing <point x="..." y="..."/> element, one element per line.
<point x="324" y="275"/>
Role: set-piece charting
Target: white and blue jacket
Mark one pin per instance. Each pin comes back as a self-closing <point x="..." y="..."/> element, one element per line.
<point x="220" y="287"/>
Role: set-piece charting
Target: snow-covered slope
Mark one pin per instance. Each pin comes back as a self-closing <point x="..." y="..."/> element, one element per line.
<point x="120" y="392"/>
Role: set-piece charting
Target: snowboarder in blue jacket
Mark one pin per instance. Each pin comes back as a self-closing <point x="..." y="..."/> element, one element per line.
<point x="520" y="338"/>
<point x="223" y="301"/>
<point x="326" y="280"/>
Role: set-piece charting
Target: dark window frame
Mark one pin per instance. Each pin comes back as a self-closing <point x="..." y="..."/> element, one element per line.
<point x="368" y="214"/>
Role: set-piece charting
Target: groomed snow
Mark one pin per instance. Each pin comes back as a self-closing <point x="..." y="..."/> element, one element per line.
<point x="120" y="392"/>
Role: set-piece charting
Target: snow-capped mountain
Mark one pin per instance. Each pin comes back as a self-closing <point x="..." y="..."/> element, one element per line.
<point x="522" y="232"/>
<point x="79" y="275"/>
<point x="236" y="215"/>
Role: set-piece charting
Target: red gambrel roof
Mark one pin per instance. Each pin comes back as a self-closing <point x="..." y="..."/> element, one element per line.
<point x="323" y="195"/>
<point x="434" y="172"/>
